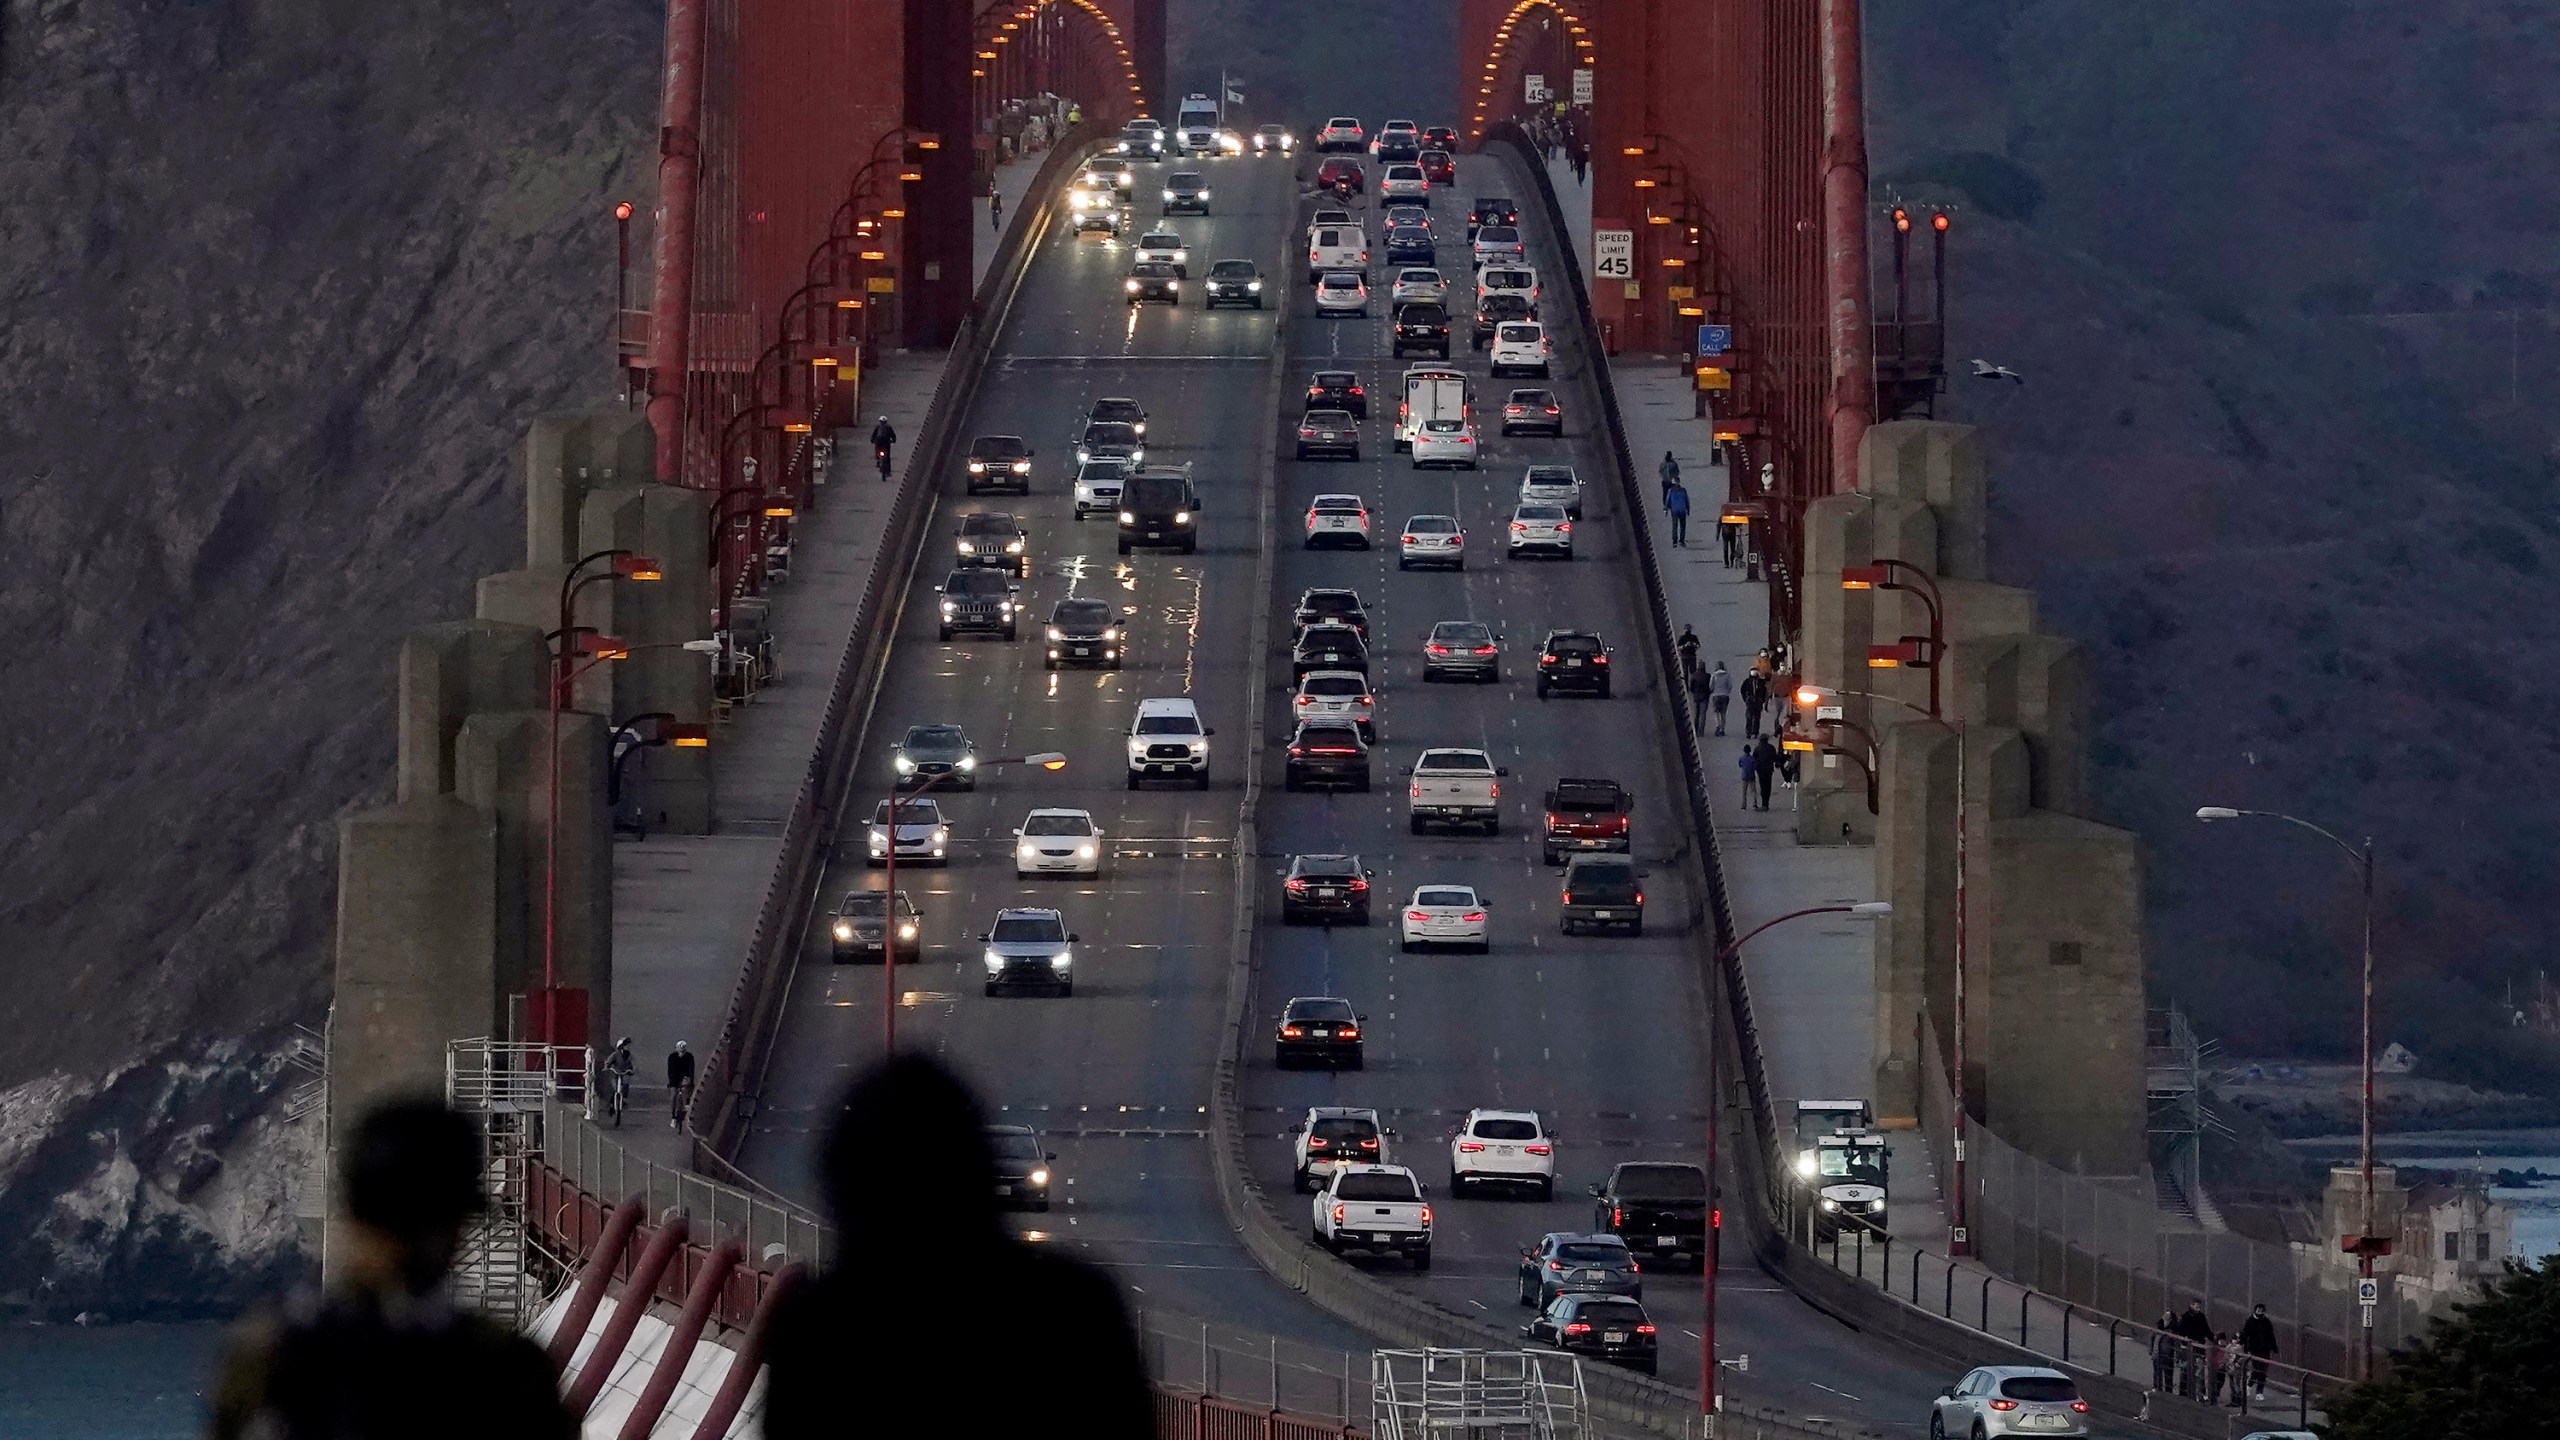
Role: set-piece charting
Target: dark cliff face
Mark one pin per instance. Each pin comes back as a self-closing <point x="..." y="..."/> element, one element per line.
<point x="2278" y="279"/>
<point x="280" y="285"/>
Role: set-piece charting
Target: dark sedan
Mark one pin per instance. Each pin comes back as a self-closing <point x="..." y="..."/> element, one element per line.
<point x="1328" y="647"/>
<point x="1331" y="605"/>
<point x="1327" y="753"/>
<point x="1337" y="390"/>
<point x="1325" y="888"/>
<point x="1233" y="282"/>
<point x="1328" y="432"/>
<point x="1154" y="280"/>
<point x="1320" y="1029"/>
<point x="1532" y="412"/>
<point x="860" y="926"/>
<point x="1609" y="1327"/>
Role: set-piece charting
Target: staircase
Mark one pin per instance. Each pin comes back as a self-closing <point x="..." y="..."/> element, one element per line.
<point x="502" y="1086"/>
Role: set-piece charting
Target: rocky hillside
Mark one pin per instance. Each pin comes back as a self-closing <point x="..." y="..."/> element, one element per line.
<point x="2278" y="282"/>
<point x="282" y="284"/>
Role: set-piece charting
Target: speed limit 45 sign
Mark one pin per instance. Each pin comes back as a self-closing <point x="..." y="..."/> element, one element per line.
<point x="1613" y="254"/>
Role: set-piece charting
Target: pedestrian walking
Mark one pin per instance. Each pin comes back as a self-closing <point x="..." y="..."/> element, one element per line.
<point x="1764" y="768"/>
<point x="679" y="1083"/>
<point x="1581" y="164"/>
<point x="1755" y="698"/>
<point x="2164" y="1355"/>
<point x="2196" y="1333"/>
<point x="1720" y="692"/>
<point x="383" y="1353"/>
<point x="2217" y="1367"/>
<point x="1732" y="544"/>
<point x="1687" y="645"/>
<point x="995" y="208"/>
<point x="2258" y="1341"/>
<point x="1700" y="697"/>
<point x="1745" y="763"/>
<point x="1675" y="499"/>
<point x="1669" y="470"/>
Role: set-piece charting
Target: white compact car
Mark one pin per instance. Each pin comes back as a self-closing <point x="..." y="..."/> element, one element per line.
<point x="1445" y="442"/>
<point x="1419" y="284"/>
<point x="1098" y="485"/>
<point x="1342" y="293"/>
<point x="1404" y="182"/>
<point x="1544" y="529"/>
<point x="1432" y="540"/>
<point x="1444" y="915"/>
<point x="1337" y="695"/>
<point x="1553" y="485"/>
<point x="1520" y="348"/>
<point x="1057" y="842"/>
<point x="1338" y="520"/>
<point x="1163" y="247"/>
<point x="1502" y="1147"/>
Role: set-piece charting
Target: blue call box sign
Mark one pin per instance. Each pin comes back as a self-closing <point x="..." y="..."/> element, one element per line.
<point x="1714" y="339"/>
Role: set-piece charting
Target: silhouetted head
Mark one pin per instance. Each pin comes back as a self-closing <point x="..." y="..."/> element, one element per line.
<point x="412" y="1177"/>
<point x="909" y="1129"/>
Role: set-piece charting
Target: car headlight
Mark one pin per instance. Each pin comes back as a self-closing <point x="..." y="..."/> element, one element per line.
<point x="1179" y="256"/>
<point x="1254" y="286"/>
<point x="1168" y="194"/>
<point x="968" y="547"/>
<point x="1830" y="1204"/>
<point x="1004" y="607"/>
<point x="907" y="930"/>
<point x="1133" y="287"/>
<point x="879" y="842"/>
<point x="949" y="608"/>
<point x="1056" y="634"/>
<point x="1138" y="456"/>
<point x="968" y="762"/>
<point x="994" y="960"/>
<point x="1127" y="518"/>
<point x="977" y="467"/>
<point x="1038" y="1177"/>
<point x="1062" y="960"/>
<point x="1013" y="547"/>
<point x="905" y="765"/>
<point x="1804" y="1165"/>
<point x="1083" y="455"/>
<point x="1181" y="517"/>
<point x="843" y="931"/>
<point x="1087" y="850"/>
<point x="1874" y="1205"/>
<point x="1204" y="193"/>
<point x="1025" y="850"/>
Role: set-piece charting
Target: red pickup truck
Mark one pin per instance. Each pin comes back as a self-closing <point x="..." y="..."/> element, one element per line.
<point x="1587" y="815"/>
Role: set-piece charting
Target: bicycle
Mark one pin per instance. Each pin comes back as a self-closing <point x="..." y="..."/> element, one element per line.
<point x="881" y="455"/>
<point x="678" y="1098"/>
<point x="617" y="1095"/>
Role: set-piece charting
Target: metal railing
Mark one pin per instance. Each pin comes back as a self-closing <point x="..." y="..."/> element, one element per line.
<point x="1248" y="1367"/>
<point x="773" y="1232"/>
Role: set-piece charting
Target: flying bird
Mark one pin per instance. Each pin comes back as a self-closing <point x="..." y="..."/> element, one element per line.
<point x="1985" y="370"/>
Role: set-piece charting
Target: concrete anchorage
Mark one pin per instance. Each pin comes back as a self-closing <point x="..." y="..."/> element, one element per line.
<point x="2053" y="932"/>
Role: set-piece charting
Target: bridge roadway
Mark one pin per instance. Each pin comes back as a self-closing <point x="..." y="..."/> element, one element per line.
<point x="1602" y="1035"/>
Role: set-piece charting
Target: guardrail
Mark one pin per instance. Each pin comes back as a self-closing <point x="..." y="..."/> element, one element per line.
<point x="733" y="1071"/>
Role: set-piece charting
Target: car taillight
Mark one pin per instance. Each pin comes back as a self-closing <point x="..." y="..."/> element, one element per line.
<point x="1297" y="750"/>
<point x="1439" y="649"/>
<point x="1546" y="659"/>
<point x="2082" y="1406"/>
<point x="1426" y="1214"/>
<point x="1414" y="791"/>
<point x="1346" y="1032"/>
<point x="1417" y="914"/>
<point x="1369" y="1144"/>
<point x="1568" y="899"/>
<point x="1368" y="700"/>
<point x="1577" y="1328"/>
<point x="1298" y="884"/>
<point x="1639" y="897"/>
<point x="1497" y="790"/>
<point x="1337" y="1214"/>
<point x="1359" y="885"/>
<point x="1617" y="1216"/>
<point x="1469" y="1147"/>
<point x="1407" y="539"/>
<point x="1316" y="1144"/>
<point x="1619" y="824"/>
<point x="1516" y="525"/>
<point x="1474" y="917"/>
<point x="1565" y="528"/>
<point x="1553" y="410"/>
<point x="1533" y="1149"/>
<point x="1634" y="1269"/>
<point x="1356" y="390"/>
<point x="1291" y="1031"/>
<point x="2004" y="1404"/>
<point x="1644" y="1330"/>
<point x="1484" y="649"/>
<point x="1599" y="659"/>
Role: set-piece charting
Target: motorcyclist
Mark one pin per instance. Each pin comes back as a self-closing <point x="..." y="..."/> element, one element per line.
<point x="883" y="436"/>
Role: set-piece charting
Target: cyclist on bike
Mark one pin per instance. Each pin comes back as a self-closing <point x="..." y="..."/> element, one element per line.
<point x="617" y="1078"/>
<point x="883" y="436"/>
<point x="679" y="1083"/>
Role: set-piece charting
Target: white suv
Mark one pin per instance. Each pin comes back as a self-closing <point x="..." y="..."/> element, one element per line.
<point x="1509" y="1147"/>
<point x="1520" y="348"/>
<point x="1168" y="742"/>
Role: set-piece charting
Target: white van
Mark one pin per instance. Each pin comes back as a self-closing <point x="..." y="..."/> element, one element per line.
<point x="1336" y="247"/>
<point x="1520" y="280"/>
<point x="1431" y="392"/>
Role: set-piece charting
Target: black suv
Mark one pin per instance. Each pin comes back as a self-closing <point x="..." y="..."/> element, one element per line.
<point x="1119" y="410"/>
<point x="1022" y="1167"/>
<point x="1328" y="646"/>
<point x="1573" y="660"/>
<point x="1331" y="605"/>
<point x="1602" y="892"/>
<point x="1337" y="390"/>
<point x="1422" y="325"/>
<point x="1491" y="210"/>
<point x="1329" y="753"/>
<point x="1154" y="280"/>
<point x="1157" y="508"/>
<point x="979" y="601"/>
<point x="1609" y="1327"/>
<point x="1328" y="888"/>
<point x="1320" y="1028"/>
<point x="1084" y="632"/>
<point x="1000" y="462"/>
<point x="1408" y="242"/>
<point x="1500" y="308"/>
<point x="1399" y="146"/>
<point x="1185" y="191"/>
<point x="1233" y="282"/>
<point x="993" y="540"/>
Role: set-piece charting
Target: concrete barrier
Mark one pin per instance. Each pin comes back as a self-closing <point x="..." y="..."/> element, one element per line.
<point x="733" y="1071"/>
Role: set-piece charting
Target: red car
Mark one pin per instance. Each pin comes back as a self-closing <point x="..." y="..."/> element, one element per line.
<point x="1439" y="167"/>
<point x="1339" y="171"/>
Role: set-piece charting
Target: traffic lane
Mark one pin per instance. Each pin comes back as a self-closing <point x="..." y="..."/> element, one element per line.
<point x="1116" y="1076"/>
<point x="1247" y="219"/>
<point x="1539" y="1022"/>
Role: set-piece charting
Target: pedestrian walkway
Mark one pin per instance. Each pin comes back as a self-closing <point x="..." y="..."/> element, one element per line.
<point x="684" y="905"/>
<point x="1013" y="182"/>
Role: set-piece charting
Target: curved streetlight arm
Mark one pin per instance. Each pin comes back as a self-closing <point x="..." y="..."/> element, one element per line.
<point x="2359" y="856"/>
<point x="1864" y="907"/>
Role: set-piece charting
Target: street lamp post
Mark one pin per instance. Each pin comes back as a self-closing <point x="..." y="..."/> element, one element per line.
<point x="1046" y="760"/>
<point x="1959" y="1236"/>
<point x="2367" y="1245"/>
<point x="1880" y="576"/>
<point x="1715" y="1108"/>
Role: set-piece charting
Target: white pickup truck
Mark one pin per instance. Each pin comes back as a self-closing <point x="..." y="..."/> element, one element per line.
<point x="1377" y="1208"/>
<point x="1455" y="787"/>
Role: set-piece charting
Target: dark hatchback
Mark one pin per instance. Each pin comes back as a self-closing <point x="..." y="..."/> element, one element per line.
<point x="1331" y="605"/>
<point x="1408" y="242"/>
<point x="1022" y="1167"/>
<point x="1611" y="1327"/>
<point x="1422" y="326"/>
<point x="1328" y="432"/>
<point x="1319" y="1028"/>
<point x="1337" y="390"/>
<point x="1154" y="280"/>
<point x="1564" y="1263"/>
<point x="1233" y="282"/>
<point x="1325" y="888"/>
<point x="1185" y="191"/>
<point x="1573" y="660"/>
<point x="1532" y="412"/>
<point x="1328" y="753"/>
<point x="1084" y="632"/>
<point x="1328" y="647"/>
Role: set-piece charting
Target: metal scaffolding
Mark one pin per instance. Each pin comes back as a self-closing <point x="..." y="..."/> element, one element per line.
<point x="1477" y="1395"/>
<point x="502" y="1086"/>
<point x="2175" y="1067"/>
